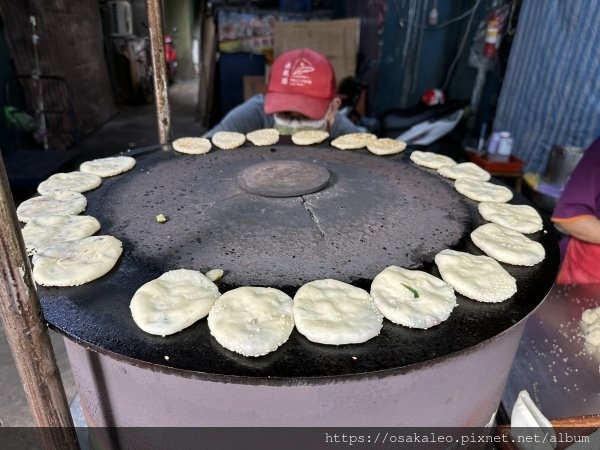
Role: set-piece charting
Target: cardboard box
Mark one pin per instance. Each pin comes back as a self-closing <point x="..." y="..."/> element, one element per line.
<point x="336" y="39"/>
<point x="254" y="84"/>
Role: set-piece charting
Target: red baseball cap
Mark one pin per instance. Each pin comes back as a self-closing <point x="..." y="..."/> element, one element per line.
<point x="301" y="81"/>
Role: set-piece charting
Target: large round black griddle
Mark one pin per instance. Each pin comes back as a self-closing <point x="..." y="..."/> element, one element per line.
<point x="374" y="212"/>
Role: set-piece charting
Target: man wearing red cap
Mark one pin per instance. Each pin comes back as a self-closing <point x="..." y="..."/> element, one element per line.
<point x="301" y="95"/>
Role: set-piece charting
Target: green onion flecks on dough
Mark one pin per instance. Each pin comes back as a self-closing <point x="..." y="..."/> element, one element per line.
<point x="415" y="293"/>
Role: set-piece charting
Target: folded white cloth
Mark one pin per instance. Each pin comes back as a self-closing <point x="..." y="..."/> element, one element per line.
<point x="529" y="428"/>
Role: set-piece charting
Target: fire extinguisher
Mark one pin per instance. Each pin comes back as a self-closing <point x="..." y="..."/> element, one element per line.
<point x="492" y="33"/>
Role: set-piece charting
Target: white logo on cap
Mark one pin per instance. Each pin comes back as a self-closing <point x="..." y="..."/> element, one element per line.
<point x="297" y="74"/>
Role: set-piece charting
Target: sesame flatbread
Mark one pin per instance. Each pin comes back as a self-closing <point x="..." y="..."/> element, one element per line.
<point x="431" y="160"/>
<point x="76" y="262"/>
<point x="252" y="321"/>
<point x="192" y="145"/>
<point x="412" y="298"/>
<point x="336" y="313"/>
<point x="309" y="137"/>
<point x="44" y="231"/>
<point x="507" y="246"/>
<point x="477" y="277"/>
<point x="266" y="136"/>
<point x="352" y="141"/>
<point x="228" y="140"/>
<point x="58" y="203"/>
<point x="173" y="301"/>
<point x="464" y="170"/>
<point x="521" y="218"/>
<point x="483" y="191"/>
<point x="386" y="146"/>
<point x="70" y="181"/>
<point x="108" y="167"/>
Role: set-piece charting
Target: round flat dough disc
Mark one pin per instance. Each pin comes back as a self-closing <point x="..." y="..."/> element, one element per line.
<point x="252" y="321"/>
<point x="58" y="203"/>
<point x="507" y="246"/>
<point x="309" y="137"/>
<point x="483" y="191"/>
<point x="521" y="218"/>
<point x="266" y="136"/>
<point x="431" y="160"/>
<point x="412" y="298"/>
<point x="69" y="181"/>
<point x="464" y="170"/>
<point x="477" y="277"/>
<point x="228" y="140"/>
<point x="173" y="301"/>
<point x="192" y="145"/>
<point x="352" y="141"/>
<point x="333" y="312"/>
<point x="386" y="146"/>
<point x="108" y="167"/>
<point x="76" y="262"/>
<point x="44" y="231"/>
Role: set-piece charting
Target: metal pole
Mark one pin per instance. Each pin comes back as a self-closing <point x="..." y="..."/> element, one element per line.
<point x="163" y="114"/>
<point x="26" y="332"/>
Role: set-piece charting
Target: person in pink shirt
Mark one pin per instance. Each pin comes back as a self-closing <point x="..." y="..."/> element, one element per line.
<point x="577" y="214"/>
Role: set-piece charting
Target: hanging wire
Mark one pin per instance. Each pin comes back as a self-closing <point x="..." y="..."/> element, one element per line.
<point x="461" y="48"/>
<point x="403" y="23"/>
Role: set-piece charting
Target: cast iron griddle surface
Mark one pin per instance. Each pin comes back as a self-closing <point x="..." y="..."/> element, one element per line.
<point x="376" y="211"/>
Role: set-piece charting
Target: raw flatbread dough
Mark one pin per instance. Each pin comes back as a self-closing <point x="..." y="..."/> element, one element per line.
<point x="431" y="160"/>
<point x="44" y="231"/>
<point x="173" y="301"/>
<point x="483" y="191"/>
<point x="352" y="141"/>
<point x="590" y="319"/>
<point x="464" y="170"/>
<point x="214" y="274"/>
<point x="266" y="136"/>
<point x="590" y="325"/>
<point x="412" y="298"/>
<point x="252" y="321"/>
<point x="507" y="246"/>
<point x="76" y="262"/>
<point x="108" y="167"/>
<point x="333" y="312"/>
<point x="58" y="203"/>
<point x="70" y="181"/>
<point x="480" y="278"/>
<point x="386" y="146"/>
<point x="228" y="140"/>
<point x="521" y="218"/>
<point x="192" y="145"/>
<point x="309" y="137"/>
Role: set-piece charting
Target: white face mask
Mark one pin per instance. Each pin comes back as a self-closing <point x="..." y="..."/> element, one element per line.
<point x="290" y="126"/>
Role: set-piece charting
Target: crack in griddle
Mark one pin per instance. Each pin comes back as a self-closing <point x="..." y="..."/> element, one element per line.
<point x="312" y="215"/>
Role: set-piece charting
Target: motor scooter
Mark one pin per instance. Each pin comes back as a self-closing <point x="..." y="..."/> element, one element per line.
<point x="424" y="125"/>
<point x="170" y="56"/>
<point x="436" y="128"/>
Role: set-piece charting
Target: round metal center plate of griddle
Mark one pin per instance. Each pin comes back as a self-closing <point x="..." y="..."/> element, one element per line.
<point x="283" y="178"/>
<point x="375" y="212"/>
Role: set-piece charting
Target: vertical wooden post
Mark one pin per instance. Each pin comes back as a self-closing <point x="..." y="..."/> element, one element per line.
<point x="26" y="332"/>
<point x="163" y="114"/>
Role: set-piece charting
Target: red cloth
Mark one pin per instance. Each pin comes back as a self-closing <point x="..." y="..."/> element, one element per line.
<point x="581" y="264"/>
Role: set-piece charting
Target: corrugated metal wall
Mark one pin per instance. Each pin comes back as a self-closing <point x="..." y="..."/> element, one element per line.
<point x="551" y="92"/>
<point x="70" y="46"/>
